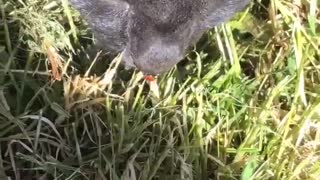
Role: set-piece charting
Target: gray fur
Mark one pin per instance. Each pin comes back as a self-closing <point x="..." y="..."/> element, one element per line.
<point x="154" y="34"/>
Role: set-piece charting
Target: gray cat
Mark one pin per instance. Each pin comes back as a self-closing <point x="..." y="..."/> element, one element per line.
<point x="153" y="35"/>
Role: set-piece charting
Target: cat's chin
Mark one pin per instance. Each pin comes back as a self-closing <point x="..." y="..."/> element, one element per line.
<point x="127" y="60"/>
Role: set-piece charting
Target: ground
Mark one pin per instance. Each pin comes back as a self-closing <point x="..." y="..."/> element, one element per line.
<point x="244" y="104"/>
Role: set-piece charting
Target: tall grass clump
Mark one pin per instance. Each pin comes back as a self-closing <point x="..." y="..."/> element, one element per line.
<point x="244" y="104"/>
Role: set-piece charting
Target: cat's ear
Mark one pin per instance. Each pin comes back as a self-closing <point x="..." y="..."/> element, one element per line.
<point x="219" y="11"/>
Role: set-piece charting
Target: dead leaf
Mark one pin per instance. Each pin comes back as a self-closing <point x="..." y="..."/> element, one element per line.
<point x="55" y="62"/>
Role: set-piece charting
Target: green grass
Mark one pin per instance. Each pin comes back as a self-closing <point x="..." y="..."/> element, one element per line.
<point x="245" y="104"/>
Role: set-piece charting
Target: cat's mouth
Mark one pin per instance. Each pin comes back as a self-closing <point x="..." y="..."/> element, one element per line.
<point x="149" y="78"/>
